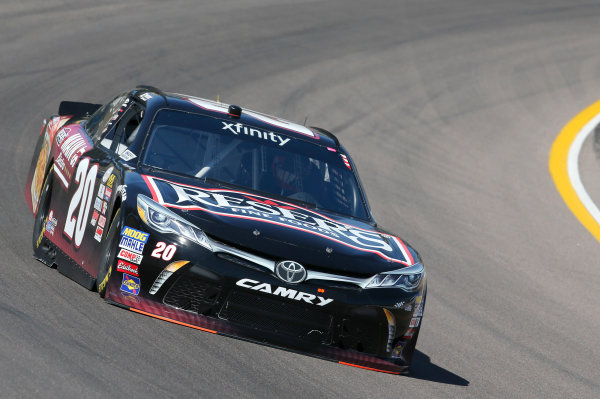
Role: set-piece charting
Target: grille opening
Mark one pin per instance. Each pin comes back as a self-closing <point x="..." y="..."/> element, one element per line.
<point x="192" y="294"/>
<point x="277" y="316"/>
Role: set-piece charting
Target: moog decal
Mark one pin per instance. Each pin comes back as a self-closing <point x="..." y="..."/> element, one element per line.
<point x="253" y="207"/>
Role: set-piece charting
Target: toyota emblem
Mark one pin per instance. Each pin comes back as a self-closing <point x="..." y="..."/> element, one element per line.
<point x="290" y="271"/>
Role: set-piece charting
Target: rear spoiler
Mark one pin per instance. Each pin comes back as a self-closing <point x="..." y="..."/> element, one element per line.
<point x="77" y="109"/>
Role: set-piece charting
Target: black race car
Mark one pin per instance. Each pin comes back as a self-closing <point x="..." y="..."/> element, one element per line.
<point x="225" y="220"/>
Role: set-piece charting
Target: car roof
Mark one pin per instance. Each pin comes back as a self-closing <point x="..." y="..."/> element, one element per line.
<point x="155" y="98"/>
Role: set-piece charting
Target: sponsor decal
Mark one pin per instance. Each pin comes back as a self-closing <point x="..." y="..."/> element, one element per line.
<point x="397" y="352"/>
<point x="107" y="194"/>
<point x="110" y="181"/>
<point x="283" y="292"/>
<point x="62" y="135"/>
<point x="130" y="284"/>
<point x="98" y="234"/>
<point x="56" y="123"/>
<point x="94" y="217"/>
<point x="60" y="162"/>
<point x="101" y="190"/>
<point x="131" y="244"/>
<point x="101" y="221"/>
<point x="98" y="204"/>
<point x="122" y="190"/>
<point x="42" y="162"/>
<point x="105" y="281"/>
<point x="271" y="120"/>
<point x="51" y="223"/>
<point x="130" y="256"/>
<point x="104" y="206"/>
<point x="418" y="310"/>
<point x="414" y="322"/>
<point x="409" y="333"/>
<point x="106" y="175"/>
<point x="126" y="267"/>
<point x="135" y="234"/>
<point x="241" y="205"/>
<point x="127" y="155"/>
<point x="238" y="128"/>
<point x="40" y="237"/>
<point x="145" y="96"/>
<point x="71" y="148"/>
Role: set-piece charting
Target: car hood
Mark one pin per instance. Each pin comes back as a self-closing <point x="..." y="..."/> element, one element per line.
<point x="279" y="230"/>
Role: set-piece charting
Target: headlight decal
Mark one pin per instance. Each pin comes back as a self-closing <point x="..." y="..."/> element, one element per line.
<point x="408" y="279"/>
<point x="162" y="219"/>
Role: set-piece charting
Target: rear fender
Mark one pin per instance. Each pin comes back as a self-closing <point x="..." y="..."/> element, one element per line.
<point x="41" y="161"/>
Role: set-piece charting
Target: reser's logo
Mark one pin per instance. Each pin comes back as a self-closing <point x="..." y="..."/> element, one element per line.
<point x="290" y="271"/>
<point x="244" y="206"/>
<point x="284" y="292"/>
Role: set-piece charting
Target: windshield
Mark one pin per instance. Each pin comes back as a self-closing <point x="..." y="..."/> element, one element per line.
<point x="242" y="155"/>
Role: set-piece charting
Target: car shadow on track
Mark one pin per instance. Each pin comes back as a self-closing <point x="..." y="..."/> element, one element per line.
<point x="423" y="369"/>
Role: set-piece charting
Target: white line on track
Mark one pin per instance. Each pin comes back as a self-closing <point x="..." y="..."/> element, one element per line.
<point x="573" y="168"/>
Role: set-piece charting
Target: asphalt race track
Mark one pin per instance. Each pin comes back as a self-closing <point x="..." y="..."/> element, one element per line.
<point x="449" y="108"/>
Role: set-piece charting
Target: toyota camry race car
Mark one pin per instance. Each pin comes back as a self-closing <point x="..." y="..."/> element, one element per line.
<point x="226" y="220"/>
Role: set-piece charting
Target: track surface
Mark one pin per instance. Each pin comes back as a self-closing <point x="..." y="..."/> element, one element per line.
<point x="450" y="109"/>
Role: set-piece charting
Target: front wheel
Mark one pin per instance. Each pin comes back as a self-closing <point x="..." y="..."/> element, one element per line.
<point x="109" y="251"/>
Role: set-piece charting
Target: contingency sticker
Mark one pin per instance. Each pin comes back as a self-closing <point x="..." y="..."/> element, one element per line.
<point x="130" y="284"/>
<point x="126" y="267"/>
<point x="130" y="256"/>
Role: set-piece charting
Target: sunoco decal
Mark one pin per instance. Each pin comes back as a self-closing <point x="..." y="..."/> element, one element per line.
<point x="130" y="284"/>
<point x="238" y="204"/>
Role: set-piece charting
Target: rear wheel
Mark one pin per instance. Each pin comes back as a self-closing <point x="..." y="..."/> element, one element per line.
<point x="39" y="224"/>
<point x="109" y="252"/>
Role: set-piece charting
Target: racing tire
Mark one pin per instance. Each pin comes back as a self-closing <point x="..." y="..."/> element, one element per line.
<point x="109" y="249"/>
<point x="39" y="223"/>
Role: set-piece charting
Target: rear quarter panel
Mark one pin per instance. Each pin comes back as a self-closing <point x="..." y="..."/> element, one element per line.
<point x="41" y="161"/>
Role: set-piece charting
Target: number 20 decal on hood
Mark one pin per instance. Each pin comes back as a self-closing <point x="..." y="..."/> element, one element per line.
<point x="238" y="204"/>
